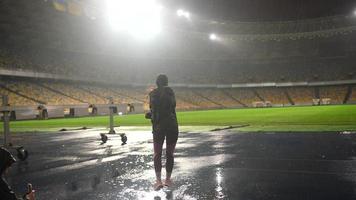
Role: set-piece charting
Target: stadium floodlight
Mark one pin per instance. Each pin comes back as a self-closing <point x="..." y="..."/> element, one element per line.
<point x="180" y="12"/>
<point x="139" y="18"/>
<point x="183" y="13"/>
<point x="213" y="36"/>
<point x="187" y="15"/>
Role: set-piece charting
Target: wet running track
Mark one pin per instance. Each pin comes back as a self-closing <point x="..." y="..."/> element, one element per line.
<point x="210" y="165"/>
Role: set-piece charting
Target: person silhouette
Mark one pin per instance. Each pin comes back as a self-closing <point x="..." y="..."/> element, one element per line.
<point x="163" y="117"/>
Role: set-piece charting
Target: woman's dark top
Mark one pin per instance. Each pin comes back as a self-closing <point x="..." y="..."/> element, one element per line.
<point x="163" y="111"/>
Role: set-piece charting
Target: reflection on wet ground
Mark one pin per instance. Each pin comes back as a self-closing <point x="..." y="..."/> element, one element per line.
<point x="209" y="165"/>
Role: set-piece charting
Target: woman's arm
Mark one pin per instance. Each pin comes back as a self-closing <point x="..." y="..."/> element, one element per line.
<point x="173" y="100"/>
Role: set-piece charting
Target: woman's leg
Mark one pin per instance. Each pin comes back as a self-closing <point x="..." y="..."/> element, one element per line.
<point x="157" y="157"/>
<point x="170" y="147"/>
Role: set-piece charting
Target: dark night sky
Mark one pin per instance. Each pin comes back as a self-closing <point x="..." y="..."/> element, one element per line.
<point x="264" y="10"/>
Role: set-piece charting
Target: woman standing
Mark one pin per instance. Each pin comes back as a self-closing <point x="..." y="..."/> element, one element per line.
<point x="164" y="127"/>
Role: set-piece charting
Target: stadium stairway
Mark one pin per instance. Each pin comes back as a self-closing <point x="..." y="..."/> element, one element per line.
<point x="317" y="92"/>
<point x="288" y="97"/>
<point x="348" y="94"/>
<point x="127" y="96"/>
<point x="59" y="92"/>
<point x="258" y="95"/>
<point x="232" y="97"/>
<point x="183" y="100"/>
<point x="92" y="93"/>
<point x="194" y="99"/>
<point x="22" y="95"/>
<point x="183" y="104"/>
<point x="208" y="99"/>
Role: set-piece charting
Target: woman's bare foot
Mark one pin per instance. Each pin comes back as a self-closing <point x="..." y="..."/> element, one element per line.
<point x="158" y="185"/>
<point x="168" y="182"/>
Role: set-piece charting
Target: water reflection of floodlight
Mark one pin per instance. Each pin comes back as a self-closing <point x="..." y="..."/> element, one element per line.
<point x="212" y="36"/>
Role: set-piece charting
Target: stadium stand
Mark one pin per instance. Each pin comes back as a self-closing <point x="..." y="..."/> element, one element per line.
<point x="353" y="95"/>
<point x="302" y="95"/>
<point x="274" y="95"/>
<point x="229" y="73"/>
<point x="191" y="96"/>
<point x="38" y="93"/>
<point x="24" y="92"/>
<point x="219" y="97"/>
<point x="335" y="93"/>
<point x="185" y="105"/>
<point x="130" y="94"/>
<point x="75" y="93"/>
<point x="90" y="72"/>
<point x="17" y="100"/>
<point x="90" y="66"/>
<point x="99" y="94"/>
<point x="245" y="96"/>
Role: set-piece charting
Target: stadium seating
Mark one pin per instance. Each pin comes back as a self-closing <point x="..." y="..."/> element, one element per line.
<point x="130" y="94"/>
<point x="144" y="70"/>
<point x="219" y="97"/>
<point x="335" y="93"/>
<point x="192" y="97"/>
<point x="76" y="92"/>
<point x="23" y="92"/>
<point x="274" y="95"/>
<point x="302" y="95"/>
<point x="16" y="100"/>
<point x="245" y="96"/>
<point x="45" y="45"/>
<point x="353" y="95"/>
<point x="38" y="93"/>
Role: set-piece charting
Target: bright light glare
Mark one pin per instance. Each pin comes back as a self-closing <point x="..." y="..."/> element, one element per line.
<point x="213" y="36"/>
<point x="182" y="13"/>
<point x="187" y="15"/>
<point x="355" y="12"/>
<point x="141" y="18"/>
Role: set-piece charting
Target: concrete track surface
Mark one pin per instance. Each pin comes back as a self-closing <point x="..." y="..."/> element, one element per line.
<point x="208" y="165"/>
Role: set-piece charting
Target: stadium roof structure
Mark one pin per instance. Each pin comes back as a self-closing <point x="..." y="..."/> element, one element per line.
<point x="300" y="19"/>
<point x="49" y="24"/>
<point x="281" y="30"/>
<point x="264" y="10"/>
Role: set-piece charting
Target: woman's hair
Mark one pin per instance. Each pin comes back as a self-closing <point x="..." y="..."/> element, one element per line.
<point x="162" y="80"/>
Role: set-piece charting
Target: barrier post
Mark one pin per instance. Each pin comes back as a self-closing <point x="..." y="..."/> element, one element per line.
<point x="6" y="120"/>
<point x="111" y="108"/>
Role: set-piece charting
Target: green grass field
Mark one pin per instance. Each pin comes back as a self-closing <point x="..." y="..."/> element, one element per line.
<point x="318" y="118"/>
